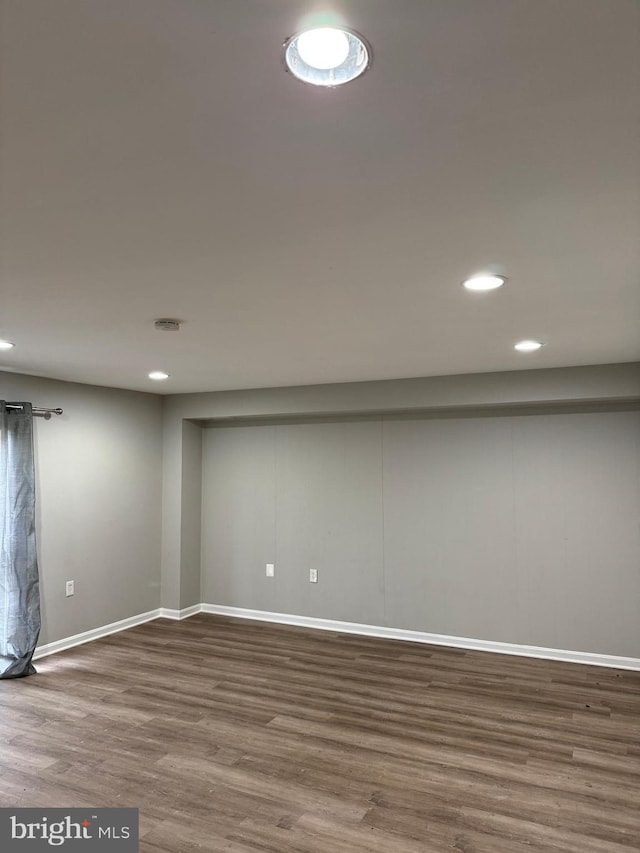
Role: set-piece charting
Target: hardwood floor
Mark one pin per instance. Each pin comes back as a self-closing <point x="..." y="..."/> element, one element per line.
<point x="243" y="737"/>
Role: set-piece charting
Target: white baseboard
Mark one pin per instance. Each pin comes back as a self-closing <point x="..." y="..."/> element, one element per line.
<point x="421" y="637"/>
<point x="94" y="634"/>
<point x="166" y="613"/>
<point x="113" y="628"/>
<point x="343" y="628"/>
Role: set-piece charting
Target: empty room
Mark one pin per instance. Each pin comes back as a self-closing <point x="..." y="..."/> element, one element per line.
<point x="320" y="426"/>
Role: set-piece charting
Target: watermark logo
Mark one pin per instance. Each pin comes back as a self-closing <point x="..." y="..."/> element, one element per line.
<point x="36" y="830"/>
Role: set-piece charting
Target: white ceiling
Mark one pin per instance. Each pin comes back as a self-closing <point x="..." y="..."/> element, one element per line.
<point x="157" y="161"/>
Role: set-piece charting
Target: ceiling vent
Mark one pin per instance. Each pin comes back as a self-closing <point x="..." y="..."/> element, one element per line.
<point x="165" y="325"/>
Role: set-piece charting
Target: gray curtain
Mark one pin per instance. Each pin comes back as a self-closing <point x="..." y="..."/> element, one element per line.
<point x="19" y="587"/>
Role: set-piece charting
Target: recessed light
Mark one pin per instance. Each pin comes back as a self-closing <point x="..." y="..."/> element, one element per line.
<point x="327" y="56"/>
<point x="484" y="282"/>
<point x="6" y="345"/>
<point x="324" y="48"/>
<point x="158" y="375"/>
<point x="527" y="346"/>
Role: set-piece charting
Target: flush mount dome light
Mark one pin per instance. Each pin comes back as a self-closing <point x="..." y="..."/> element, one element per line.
<point x="6" y="345"/>
<point x="484" y="282"/>
<point x="327" y="56"/>
<point x="158" y="375"/>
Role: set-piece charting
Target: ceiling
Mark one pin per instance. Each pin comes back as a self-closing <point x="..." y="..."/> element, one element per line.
<point x="158" y="161"/>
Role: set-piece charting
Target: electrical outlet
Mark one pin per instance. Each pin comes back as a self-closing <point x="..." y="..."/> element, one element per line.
<point x="70" y="588"/>
<point x="271" y="570"/>
<point x="313" y="576"/>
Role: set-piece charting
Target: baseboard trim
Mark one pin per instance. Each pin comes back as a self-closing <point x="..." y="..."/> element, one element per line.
<point x="564" y="655"/>
<point x="167" y="613"/>
<point x="113" y="628"/>
<point x="589" y="658"/>
<point x="94" y="634"/>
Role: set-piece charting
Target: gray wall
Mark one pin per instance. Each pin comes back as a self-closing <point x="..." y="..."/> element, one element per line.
<point x="560" y="566"/>
<point x="191" y="512"/>
<point x="559" y="385"/>
<point x="521" y="528"/>
<point x="98" y="470"/>
<point x="569" y="386"/>
<point x="300" y="496"/>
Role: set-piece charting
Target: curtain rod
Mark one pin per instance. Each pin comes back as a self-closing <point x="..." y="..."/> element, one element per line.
<point x="38" y="411"/>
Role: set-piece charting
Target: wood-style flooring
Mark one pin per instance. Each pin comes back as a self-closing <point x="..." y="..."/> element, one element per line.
<point x="248" y="737"/>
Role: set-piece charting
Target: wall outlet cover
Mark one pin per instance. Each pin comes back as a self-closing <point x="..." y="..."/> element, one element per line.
<point x="271" y="570"/>
<point x="313" y="576"/>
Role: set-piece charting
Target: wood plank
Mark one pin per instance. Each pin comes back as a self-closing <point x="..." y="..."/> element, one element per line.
<point x="248" y="737"/>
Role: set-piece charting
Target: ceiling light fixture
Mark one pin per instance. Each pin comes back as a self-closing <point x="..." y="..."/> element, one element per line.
<point x="158" y="375"/>
<point x="327" y="56"/>
<point x="6" y="345"/>
<point x="528" y="346"/>
<point x="324" y="48"/>
<point x="484" y="282"/>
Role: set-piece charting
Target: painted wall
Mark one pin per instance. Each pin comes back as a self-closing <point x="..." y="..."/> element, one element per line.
<point x="98" y="472"/>
<point x="569" y="386"/>
<point x="302" y="497"/>
<point x="99" y="503"/>
<point x="191" y="512"/>
<point x="521" y="528"/>
<point x="606" y="383"/>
